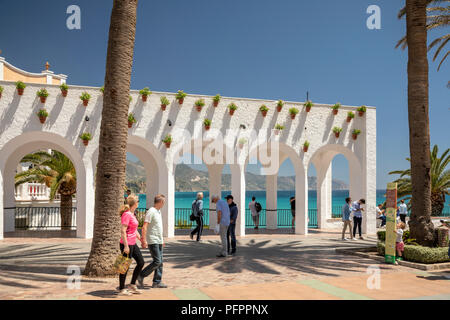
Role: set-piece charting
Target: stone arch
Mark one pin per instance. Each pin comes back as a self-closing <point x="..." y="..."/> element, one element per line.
<point x="15" y="149"/>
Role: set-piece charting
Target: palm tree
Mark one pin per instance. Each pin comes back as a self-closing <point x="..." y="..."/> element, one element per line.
<point x="440" y="181"/>
<point x="110" y="177"/>
<point x="439" y="16"/>
<point x="57" y="172"/>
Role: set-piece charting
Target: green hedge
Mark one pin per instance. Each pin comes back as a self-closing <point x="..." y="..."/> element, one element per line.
<point x="420" y="254"/>
<point x="382" y="235"/>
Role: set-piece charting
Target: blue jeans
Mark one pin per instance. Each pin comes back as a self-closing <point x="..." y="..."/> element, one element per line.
<point x="156" y="250"/>
<point x="231" y="234"/>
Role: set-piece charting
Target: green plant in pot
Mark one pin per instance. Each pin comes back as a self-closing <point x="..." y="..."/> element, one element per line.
<point x="350" y="116"/>
<point x="42" y="94"/>
<point x="167" y="140"/>
<point x="145" y="93"/>
<point x="86" y="137"/>
<point x="42" y="114"/>
<point x="216" y="100"/>
<point x="164" y="103"/>
<point x="232" y="108"/>
<point x="20" y="86"/>
<point x="361" y="110"/>
<point x="85" y="97"/>
<point x="131" y="120"/>
<point x="1" y="91"/>
<point x="180" y="96"/>
<point x="308" y="105"/>
<point x="278" y="128"/>
<point x="280" y="105"/>
<point x="336" y="108"/>
<point x="199" y="104"/>
<point x="337" y="131"/>
<point x="293" y="112"/>
<point x="263" y="110"/>
<point x="102" y="89"/>
<point x="241" y="142"/>
<point x="64" y="89"/>
<point x="355" y="133"/>
<point x="207" y="123"/>
<point x="305" y="146"/>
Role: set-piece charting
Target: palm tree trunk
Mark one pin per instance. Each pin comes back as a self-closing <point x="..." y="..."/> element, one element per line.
<point x="419" y="129"/>
<point x="66" y="212"/>
<point x="113" y="139"/>
<point x="437" y="203"/>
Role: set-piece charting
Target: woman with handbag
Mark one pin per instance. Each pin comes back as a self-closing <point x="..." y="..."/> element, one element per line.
<point x="128" y="246"/>
<point x="197" y="213"/>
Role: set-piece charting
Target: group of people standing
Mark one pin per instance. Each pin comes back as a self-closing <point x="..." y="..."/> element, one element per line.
<point x="352" y="208"/>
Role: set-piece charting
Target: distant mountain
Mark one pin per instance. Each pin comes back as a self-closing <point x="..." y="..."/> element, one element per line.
<point x="189" y="179"/>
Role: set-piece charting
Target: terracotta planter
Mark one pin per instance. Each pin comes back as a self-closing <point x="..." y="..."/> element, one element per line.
<point x="241" y="145"/>
<point x="42" y="119"/>
<point x="279" y="108"/>
<point x="167" y="144"/>
<point x="361" y="113"/>
<point x="308" y="109"/>
<point x="0" y="95"/>
<point x="207" y="127"/>
<point x="20" y="91"/>
<point x="144" y="98"/>
<point x="264" y="113"/>
<point x="349" y="119"/>
<point x="293" y="116"/>
<point x="277" y="132"/>
<point x="232" y="112"/>
<point x="180" y="101"/>
<point x="335" y="111"/>
<point x="130" y="124"/>
<point x="43" y="99"/>
<point x="163" y="107"/>
<point x="354" y="136"/>
<point x="85" y="142"/>
<point x="336" y="134"/>
<point x="215" y="103"/>
<point x="199" y="108"/>
<point x="305" y="149"/>
<point x="64" y="93"/>
<point x="85" y="103"/>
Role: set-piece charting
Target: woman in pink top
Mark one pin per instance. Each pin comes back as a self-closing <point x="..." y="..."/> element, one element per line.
<point x="128" y="246"/>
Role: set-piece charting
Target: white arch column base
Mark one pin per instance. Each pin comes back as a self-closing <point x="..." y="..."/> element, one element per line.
<point x="215" y="188"/>
<point x="168" y="211"/>
<point x="271" y="202"/>
<point x="238" y="187"/>
<point x="301" y="203"/>
<point x="324" y="195"/>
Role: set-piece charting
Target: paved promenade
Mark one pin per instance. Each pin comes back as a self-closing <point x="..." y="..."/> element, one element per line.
<point x="278" y="266"/>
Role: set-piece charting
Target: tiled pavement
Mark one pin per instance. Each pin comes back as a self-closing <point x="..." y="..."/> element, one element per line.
<point x="279" y="266"/>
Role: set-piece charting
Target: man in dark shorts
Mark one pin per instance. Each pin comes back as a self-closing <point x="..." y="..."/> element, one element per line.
<point x="292" y="201"/>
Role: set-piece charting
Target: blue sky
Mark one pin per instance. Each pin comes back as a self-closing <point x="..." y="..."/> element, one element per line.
<point x="248" y="48"/>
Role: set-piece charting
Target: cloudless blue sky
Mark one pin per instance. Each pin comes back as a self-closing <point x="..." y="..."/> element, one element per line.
<point x="244" y="48"/>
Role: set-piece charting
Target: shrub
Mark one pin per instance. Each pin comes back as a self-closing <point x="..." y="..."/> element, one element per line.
<point x="280" y="103"/>
<point x="350" y="115"/>
<point x="164" y="101"/>
<point x="145" y="92"/>
<point x="308" y="104"/>
<point x="131" y="98"/>
<point x="131" y="118"/>
<point x="1" y="89"/>
<point x="64" y="87"/>
<point x="42" y="93"/>
<point x="361" y="109"/>
<point x="180" y="95"/>
<point x="42" y="113"/>
<point x="102" y="89"/>
<point x="293" y="110"/>
<point x="207" y="122"/>
<point x="337" y="129"/>
<point x="336" y="106"/>
<point x="242" y="141"/>
<point x="20" y="85"/>
<point x="85" y="96"/>
<point x="86" y="136"/>
<point x="232" y="106"/>
<point x="279" y="127"/>
<point x="167" y="138"/>
<point x="381" y="235"/>
<point x="263" y="108"/>
<point x="419" y="253"/>
<point x="217" y="97"/>
<point x="306" y="144"/>
<point x="200" y="102"/>
<point x="356" y="132"/>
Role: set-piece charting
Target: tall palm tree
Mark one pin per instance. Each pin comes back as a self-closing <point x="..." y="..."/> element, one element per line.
<point x="440" y="181"/>
<point x="57" y="172"/>
<point x="110" y="177"/>
<point x="439" y="17"/>
<point x="420" y="224"/>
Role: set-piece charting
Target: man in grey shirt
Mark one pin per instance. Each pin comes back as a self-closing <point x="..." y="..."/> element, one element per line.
<point x="223" y="220"/>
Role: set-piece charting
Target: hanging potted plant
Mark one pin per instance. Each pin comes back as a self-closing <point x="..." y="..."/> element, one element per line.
<point x="350" y="116"/>
<point x="337" y="131"/>
<point x="42" y="94"/>
<point x="131" y="120"/>
<point x="42" y="114"/>
<point x="293" y="112"/>
<point x="232" y="107"/>
<point x="336" y="108"/>
<point x="167" y="140"/>
<point x="180" y="96"/>
<point x="355" y="133"/>
<point x="263" y="110"/>
<point x="207" y="123"/>
<point x="278" y="128"/>
<point x="1" y="90"/>
<point x="85" y="97"/>
<point x="361" y="110"/>
<point x="241" y="142"/>
<point x="280" y="105"/>
<point x="86" y="137"/>
<point x="64" y="89"/>
<point x="164" y="103"/>
<point x="305" y="146"/>
<point x="145" y="93"/>
<point x="308" y="105"/>
<point x="199" y="104"/>
<point x="20" y="87"/>
<point x="216" y="100"/>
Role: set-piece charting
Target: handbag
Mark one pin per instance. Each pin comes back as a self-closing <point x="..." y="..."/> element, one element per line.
<point x="122" y="264"/>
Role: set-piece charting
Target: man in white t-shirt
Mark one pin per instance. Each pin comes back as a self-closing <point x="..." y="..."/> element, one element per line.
<point x="152" y="237"/>
<point x="402" y="210"/>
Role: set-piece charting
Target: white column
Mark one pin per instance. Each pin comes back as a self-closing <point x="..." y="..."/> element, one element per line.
<point x="238" y="187"/>
<point x="2" y="60"/>
<point x="85" y="201"/>
<point x="271" y="201"/>
<point x="9" y="200"/>
<point x="167" y="180"/>
<point x="324" y="189"/>
<point x="215" y="188"/>
<point x="301" y="201"/>
<point x="152" y="184"/>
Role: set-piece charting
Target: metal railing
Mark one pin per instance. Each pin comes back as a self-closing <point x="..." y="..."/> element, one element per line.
<point x="41" y="218"/>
